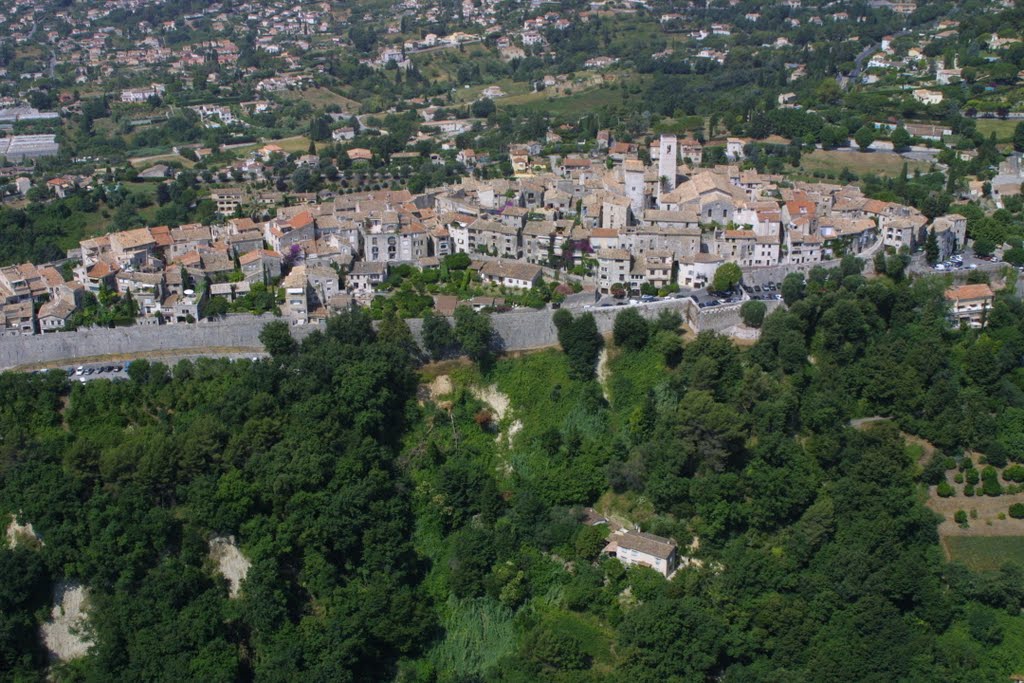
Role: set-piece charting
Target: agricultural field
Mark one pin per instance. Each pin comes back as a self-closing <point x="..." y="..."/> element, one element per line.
<point x="322" y="98"/>
<point x="984" y="553"/>
<point x="145" y="162"/>
<point x="880" y="163"/>
<point x="577" y="103"/>
<point x="1002" y="128"/>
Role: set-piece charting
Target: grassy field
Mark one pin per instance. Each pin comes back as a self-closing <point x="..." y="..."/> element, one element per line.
<point x="297" y="143"/>
<point x="985" y="553"/>
<point x="514" y="89"/>
<point x="633" y="375"/>
<point x="161" y="158"/>
<point x="860" y="163"/>
<point x="577" y="103"/>
<point x="1002" y="129"/>
<point x="322" y="97"/>
<point x="681" y="126"/>
<point x="442" y="65"/>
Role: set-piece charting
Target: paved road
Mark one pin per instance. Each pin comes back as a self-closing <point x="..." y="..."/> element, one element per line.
<point x="858" y="62"/>
<point x="118" y="370"/>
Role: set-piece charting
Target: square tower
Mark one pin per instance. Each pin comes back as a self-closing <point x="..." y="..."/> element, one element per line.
<point x="668" y="162"/>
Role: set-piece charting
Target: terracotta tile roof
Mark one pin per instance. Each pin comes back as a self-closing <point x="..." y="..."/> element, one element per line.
<point x="981" y="291"/>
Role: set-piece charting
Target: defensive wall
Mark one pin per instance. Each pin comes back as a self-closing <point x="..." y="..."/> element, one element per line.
<point x="515" y="331"/>
<point x="762" y="274"/>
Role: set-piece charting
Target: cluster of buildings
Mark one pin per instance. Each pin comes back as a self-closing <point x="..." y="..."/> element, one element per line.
<point x="630" y="224"/>
<point x="670" y="222"/>
<point x="21" y="147"/>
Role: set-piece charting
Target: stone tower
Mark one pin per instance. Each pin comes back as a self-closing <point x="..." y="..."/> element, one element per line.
<point x="668" y="161"/>
<point x="633" y="175"/>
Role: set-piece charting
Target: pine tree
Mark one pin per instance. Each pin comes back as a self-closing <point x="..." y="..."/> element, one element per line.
<point x="931" y="247"/>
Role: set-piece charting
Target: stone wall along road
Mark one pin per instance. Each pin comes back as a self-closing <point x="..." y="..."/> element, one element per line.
<point x="520" y="330"/>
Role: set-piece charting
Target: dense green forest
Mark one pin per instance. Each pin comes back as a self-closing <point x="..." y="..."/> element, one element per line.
<point x="396" y="537"/>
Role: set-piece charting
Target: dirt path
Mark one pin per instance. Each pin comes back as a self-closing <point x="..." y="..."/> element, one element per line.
<point x="865" y="421"/>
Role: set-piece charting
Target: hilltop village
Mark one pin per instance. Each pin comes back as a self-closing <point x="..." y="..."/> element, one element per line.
<point x="167" y="164"/>
<point x="607" y="223"/>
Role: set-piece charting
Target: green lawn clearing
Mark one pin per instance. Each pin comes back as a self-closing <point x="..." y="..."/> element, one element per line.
<point x="985" y="553"/>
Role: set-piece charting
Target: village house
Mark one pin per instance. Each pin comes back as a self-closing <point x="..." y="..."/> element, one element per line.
<point x="483" y="235"/>
<point x="950" y="234"/>
<point x="261" y="265"/>
<point x="969" y="304"/>
<point x="365" y="276"/>
<point x="514" y="274"/>
<point x="613" y="268"/>
<point x="54" y="315"/>
<point x="637" y="548"/>
<point x="296" y="297"/>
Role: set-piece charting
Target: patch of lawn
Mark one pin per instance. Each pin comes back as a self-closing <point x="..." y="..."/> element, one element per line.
<point x="986" y="553"/>
<point x="1002" y="129"/>
<point x="861" y="163"/>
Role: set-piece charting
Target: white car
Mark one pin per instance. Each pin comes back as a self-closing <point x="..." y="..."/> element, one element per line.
<point x="79" y="370"/>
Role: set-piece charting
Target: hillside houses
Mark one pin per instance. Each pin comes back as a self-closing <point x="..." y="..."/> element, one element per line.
<point x="632" y="226"/>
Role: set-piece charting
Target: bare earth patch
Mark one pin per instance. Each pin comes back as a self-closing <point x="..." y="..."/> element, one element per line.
<point x="21" y="533"/>
<point x="441" y="386"/>
<point x="987" y="507"/>
<point x="65" y="632"/>
<point x="499" y="402"/>
<point x="231" y="563"/>
<point x="983" y="511"/>
<point x="602" y="371"/>
<point x="742" y="335"/>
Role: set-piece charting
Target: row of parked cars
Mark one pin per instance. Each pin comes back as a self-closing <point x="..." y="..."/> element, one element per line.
<point x="82" y="372"/>
<point x="956" y="262"/>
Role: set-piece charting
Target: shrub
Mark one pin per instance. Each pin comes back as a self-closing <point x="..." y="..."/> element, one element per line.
<point x="945" y="490"/>
<point x="630" y="330"/>
<point x="969" y="490"/>
<point x="1017" y="510"/>
<point x="958" y="477"/>
<point x="934" y="471"/>
<point x="971" y="475"/>
<point x="1014" y="473"/>
<point x="960" y="518"/>
<point x="753" y="312"/>
<point x="668" y="320"/>
<point x="990" y="482"/>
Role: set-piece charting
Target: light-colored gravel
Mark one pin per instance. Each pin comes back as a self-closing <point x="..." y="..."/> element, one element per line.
<point x="65" y="634"/>
<point x="231" y="563"/>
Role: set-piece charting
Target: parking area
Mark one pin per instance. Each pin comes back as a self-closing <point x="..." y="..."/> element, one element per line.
<point x="768" y="291"/>
<point x="701" y="297"/>
<point x="89" y="372"/>
<point x="963" y="262"/>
